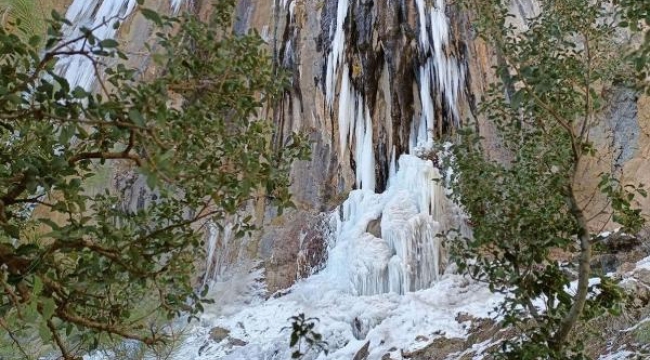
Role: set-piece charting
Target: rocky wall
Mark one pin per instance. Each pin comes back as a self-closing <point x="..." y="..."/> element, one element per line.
<point x="381" y="59"/>
<point x="383" y="54"/>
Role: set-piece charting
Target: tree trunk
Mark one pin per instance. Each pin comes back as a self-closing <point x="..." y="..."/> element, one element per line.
<point x="584" y="270"/>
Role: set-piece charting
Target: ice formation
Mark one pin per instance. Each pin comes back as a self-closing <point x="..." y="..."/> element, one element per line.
<point x="388" y="242"/>
<point x="176" y="5"/>
<point x="355" y="127"/>
<point x="442" y="73"/>
<point x="335" y="57"/>
<point x="403" y="251"/>
<point x="99" y="16"/>
<point x="221" y="248"/>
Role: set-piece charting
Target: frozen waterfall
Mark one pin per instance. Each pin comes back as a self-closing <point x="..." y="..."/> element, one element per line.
<point x="100" y="16"/>
<point x="390" y="242"/>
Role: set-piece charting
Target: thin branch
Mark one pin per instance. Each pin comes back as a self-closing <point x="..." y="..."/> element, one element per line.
<point x="588" y="105"/>
<point x="66" y="315"/>
<point x="106" y="156"/>
<point x="14" y="192"/>
<point x="80" y="244"/>
<point x="59" y="343"/>
<point x="32" y="201"/>
<point x="51" y="55"/>
<point x="12" y="295"/>
<point x="565" y="124"/>
<point x="13" y="337"/>
<point x="131" y="143"/>
<point x="119" y="124"/>
<point x="177" y="225"/>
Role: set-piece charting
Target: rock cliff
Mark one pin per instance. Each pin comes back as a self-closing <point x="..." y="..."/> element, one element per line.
<point x="406" y="72"/>
<point x="372" y="80"/>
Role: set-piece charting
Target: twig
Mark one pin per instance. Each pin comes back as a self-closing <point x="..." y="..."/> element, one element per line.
<point x="106" y="156"/>
<point x="59" y="343"/>
<point x="66" y="315"/>
<point x="3" y="325"/>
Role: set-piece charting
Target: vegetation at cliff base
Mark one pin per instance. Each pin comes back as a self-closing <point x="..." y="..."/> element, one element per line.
<point x="525" y="202"/>
<point x="75" y="264"/>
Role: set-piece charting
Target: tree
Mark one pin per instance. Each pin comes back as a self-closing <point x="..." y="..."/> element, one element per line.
<point x="544" y="105"/>
<point x="83" y="266"/>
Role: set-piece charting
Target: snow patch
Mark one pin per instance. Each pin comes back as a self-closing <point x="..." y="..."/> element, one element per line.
<point x="389" y="320"/>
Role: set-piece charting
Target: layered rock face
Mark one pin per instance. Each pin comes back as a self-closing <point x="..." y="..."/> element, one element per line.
<point x="397" y="75"/>
<point x="373" y="80"/>
<point x="620" y="135"/>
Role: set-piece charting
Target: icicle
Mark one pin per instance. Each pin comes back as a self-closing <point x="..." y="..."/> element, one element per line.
<point x="426" y="125"/>
<point x="338" y="49"/>
<point x="96" y="15"/>
<point x="391" y="167"/>
<point x="364" y="152"/>
<point x="366" y="162"/>
<point x="222" y="250"/>
<point x="359" y="134"/>
<point x="424" y="38"/>
<point x="213" y="233"/>
<point x="176" y="5"/>
<point x="447" y="72"/>
<point x="395" y="275"/>
<point x="370" y="265"/>
<point x="346" y="110"/>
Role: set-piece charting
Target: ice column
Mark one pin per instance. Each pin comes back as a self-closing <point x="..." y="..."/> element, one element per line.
<point x="441" y="69"/>
<point x="388" y="242"/>
<point x="355" y="126"/>
<point x="338" y="49"/>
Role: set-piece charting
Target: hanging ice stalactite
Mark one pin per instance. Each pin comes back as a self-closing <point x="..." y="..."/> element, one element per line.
<point x="99" y="16"/>
<point x="355" y="127"/>
<point x="442" y="74"/>
<point x="335" y="57"/>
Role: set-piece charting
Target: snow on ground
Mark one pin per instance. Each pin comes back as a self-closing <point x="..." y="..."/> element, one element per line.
<point x="362" y="282"/>
<point x="620" y="355"/>
<point x="391" y="320"/>
<point x="643" y="264"/>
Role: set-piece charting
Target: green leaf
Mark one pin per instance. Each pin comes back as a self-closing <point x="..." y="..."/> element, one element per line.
<point x="38" y="286"/>
<point x="109" y="43"/>
<point x="136" y="117"/>
<point x="48" y="308"/>
<point x="44" y="332"/>
<point x="66" y="133"/>
<point x="27" y="249"/>
<point x="151" y="15"/>
<point x="294" y="339"/>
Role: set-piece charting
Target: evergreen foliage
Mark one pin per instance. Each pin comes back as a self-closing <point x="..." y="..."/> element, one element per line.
<point x="76" y="264"/>
<point x="525" y="204"/>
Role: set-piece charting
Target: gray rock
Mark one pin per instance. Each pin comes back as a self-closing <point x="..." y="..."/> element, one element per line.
<point x="363" y="353"/>
<point x="237" y="342"/>
<point x="218" y="334"/>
